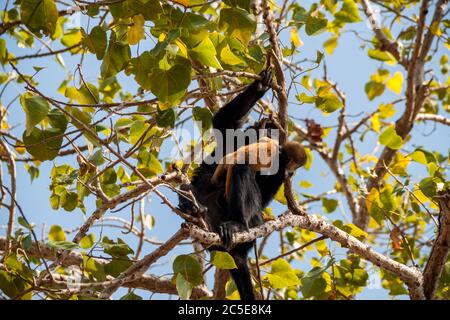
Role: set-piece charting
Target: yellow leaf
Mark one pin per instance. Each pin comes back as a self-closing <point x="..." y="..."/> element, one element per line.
<point x="20" y="149"/>
<point x="372" y="198"/>
<point x="136" y="31"/>
<point x="229" y="57"/>
<point x="400" y="164"/>
<point x="396" y="82"/>
<point x="182" y="47"/>
<point x="305" y="184"/>
<point x="435" y="29"/>
<point x="184" y="3"/>
<point x="386" y="111"/>
<point x="376" y="122"/>
<point x="295" y="39"/>
<point x="330" y="45"/>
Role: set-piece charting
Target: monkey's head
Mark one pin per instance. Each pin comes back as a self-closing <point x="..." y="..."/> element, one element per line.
<point x="296" y="156"/>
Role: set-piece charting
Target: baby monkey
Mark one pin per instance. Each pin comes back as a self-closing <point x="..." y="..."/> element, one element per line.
<point x="259" y="156"/>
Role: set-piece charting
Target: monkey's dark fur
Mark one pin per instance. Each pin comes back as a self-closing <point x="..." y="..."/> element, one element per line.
<point x="250" y="192"/>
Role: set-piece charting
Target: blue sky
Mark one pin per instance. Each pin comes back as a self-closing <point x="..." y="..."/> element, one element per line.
<point x="349" y="67"/>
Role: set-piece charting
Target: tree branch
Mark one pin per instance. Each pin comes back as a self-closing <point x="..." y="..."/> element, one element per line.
<point x="386" y="44"/>
<point x="140" y="267"/>
<point x="440" y="249"/>
<point x="433" y="117"/>
<point x="410" y="275"/>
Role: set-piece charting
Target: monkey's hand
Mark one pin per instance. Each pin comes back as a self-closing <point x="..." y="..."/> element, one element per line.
<point x="226" y="230"/>
<point x="266" y="80"/>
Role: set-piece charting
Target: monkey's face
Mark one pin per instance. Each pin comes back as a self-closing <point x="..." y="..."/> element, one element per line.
<point x="292" y="166"/>
<point x="296" y="155"/>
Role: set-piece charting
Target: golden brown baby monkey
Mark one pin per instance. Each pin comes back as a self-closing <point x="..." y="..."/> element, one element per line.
<point x="259" y="155"/>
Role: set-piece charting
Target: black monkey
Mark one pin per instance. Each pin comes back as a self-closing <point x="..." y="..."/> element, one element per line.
<point x="250" y="193"/>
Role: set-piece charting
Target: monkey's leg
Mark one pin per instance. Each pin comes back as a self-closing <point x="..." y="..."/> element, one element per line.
<point x="243" y="203"/>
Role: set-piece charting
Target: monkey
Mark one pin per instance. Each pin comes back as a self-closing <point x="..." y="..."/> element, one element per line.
<point x="259" y="155"/>
<point x="249" y="191"/>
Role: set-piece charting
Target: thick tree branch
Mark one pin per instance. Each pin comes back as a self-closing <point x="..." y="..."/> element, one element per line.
<point x="12" y="173"/>
<point x="415" y="96"/>
<point x="410" y="275"/>
<point x="441" y="247"/>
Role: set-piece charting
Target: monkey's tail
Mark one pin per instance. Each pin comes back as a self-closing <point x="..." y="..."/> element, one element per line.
<point x="241" y="276"/>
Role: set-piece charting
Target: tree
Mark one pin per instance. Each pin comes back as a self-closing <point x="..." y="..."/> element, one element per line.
<point x="155" y="66"/>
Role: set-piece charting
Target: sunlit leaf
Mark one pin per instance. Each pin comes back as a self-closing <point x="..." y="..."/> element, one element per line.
<point x="222" y="260"/>
<point x="390" y="138"/>
<point x="282" y="275"/>
<point x="396" y="82"/>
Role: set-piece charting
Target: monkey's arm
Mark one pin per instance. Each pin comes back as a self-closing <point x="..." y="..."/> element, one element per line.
<point x="232" y="114"/>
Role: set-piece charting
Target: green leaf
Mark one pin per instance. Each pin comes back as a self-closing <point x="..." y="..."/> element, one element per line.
<point x="85" y="95"/>
<point x="62" y="245"/>
<point x="43" y="144"/>
<point x="428" y="187"/>
<point x="39" y="15"/>
<point x="313" y="284"/>
<point x="3" y="51"/>
<point x="303" y="97"/>
<point x="282" y="275"/>
<point x="328" y="103"/>
<point x="184" y="287"/>
<point x="228" y="57"/>
<point x="329" y="204"/>
<point x="237" y="23"/>
<point x="136" y="30"/>
<point x="36" y="109"/>
<point x="380" y="55"/>
<point x="374" y="89"/>
<point x="137" y="130"/>
<point x="56" y="233"/>
<point x="69" y="200"/>
<point x="167" y="83"/>
<point x="204" y="116"/>
<point x="96" y="41"/>
<point x="222" y="260"/>
<point x="141" y="67"/>
<point x="319" y="57"/>
<point x="116" y="58"/>
<point x="349" y="12"/>
<point x="24" y="223"/>
<point x="166" y="118"/>
<point x="205" y="53"/>
<point x="189" y="268"/>
<point x="390" y="138"/>
<point x="57" y="120"/>
<point x="315" y="25"/>
<point x="115" y="249"/>
<point x="71" y="38"/>
<point x="131" y="296"/>
<point x="87" y="241"/>
<point x="351" y="229"/>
